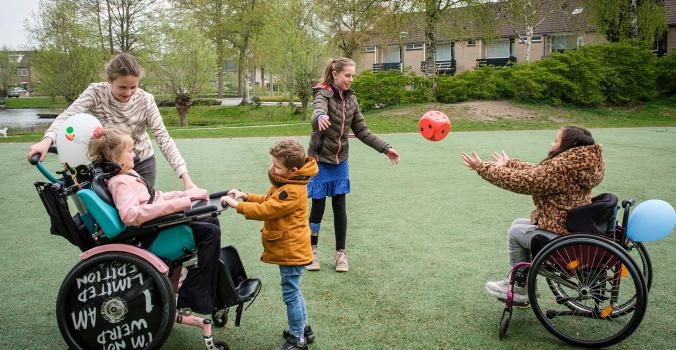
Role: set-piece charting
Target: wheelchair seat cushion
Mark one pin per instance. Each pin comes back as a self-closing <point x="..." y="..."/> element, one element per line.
<point x="105" y="214"/>
<point x="598" y="217"/>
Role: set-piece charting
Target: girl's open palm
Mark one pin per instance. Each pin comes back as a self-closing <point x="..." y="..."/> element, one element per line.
<point x="473" y="162"/>
<point x="501" y="158"/>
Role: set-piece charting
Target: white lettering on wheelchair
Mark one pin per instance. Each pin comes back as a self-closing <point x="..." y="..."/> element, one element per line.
<point x="110" y="273"/>
<point x="109" y="287"/>
<point x="84" y="318"/>
<point x="115" y="338"/>
<point x="139" y="342"/>
<point x="149" y="302"/>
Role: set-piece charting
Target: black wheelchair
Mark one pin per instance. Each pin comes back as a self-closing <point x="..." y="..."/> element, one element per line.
<point x="122" y="293"/>
<point x="588" y="288"/>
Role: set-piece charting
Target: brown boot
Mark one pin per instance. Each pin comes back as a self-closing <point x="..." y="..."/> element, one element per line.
<point x="314" y="265"/>
<point x="341" y="261"/>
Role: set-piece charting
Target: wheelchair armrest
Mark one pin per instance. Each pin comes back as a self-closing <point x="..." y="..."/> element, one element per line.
<point x="200" y="210"/>
<point x="163" y="219"/>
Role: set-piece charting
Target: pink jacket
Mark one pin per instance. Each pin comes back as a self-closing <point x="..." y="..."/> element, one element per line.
<point x="131" y="198"/>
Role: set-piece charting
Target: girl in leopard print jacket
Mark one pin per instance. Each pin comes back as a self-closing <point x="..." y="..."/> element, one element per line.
<point x="562" y="181"/>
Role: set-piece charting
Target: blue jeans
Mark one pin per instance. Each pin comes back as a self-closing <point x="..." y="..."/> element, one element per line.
<point x="293" y="298"/>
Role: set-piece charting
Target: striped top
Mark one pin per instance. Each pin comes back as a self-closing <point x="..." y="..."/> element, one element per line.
<point x="138" y="114"/>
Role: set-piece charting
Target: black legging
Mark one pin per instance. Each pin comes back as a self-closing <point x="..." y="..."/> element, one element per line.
<point x="198" y="291"/>
<point x="339" y="218"/>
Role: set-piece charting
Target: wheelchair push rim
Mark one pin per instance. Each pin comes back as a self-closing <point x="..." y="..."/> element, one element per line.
<point x="598" y="296"/>
<point x="115" y="299"/>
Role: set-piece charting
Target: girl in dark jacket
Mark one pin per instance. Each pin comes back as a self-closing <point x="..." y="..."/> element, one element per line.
<point x="335" y="112"/>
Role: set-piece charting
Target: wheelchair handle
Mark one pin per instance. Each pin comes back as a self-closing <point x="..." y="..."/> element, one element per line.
<point x="627" y="203"/>
<point x="35" y="160"/>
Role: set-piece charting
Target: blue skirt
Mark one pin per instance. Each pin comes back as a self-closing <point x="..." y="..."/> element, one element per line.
<point x="332" y="180"/>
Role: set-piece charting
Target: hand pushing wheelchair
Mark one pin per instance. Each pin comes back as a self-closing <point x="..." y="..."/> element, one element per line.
<point x="590" y="287"/>
<point x="122" y="292"/>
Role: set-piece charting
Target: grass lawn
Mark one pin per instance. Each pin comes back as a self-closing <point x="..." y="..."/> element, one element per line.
<point x="35" y="102"/>
<point x="236" y="121"/>
<point x="423" y="238"/>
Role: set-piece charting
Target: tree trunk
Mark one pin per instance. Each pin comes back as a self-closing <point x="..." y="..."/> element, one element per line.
<point x="243" y="86"/>
<point x="221" y="66"/>
<point x="110" y="29"/>
<point x="633" y="19"/>
<point x="183" y="103"/>
<point x="431" y="47"/>
<point x="529" y="43"/>
<point x="263" y="78"/>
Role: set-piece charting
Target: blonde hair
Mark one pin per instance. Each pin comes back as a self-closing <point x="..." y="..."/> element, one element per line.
<point x="122" y="65"/>
<point x="335" y="65"/>
<point x="108" y="144"/>
<point x="290" y="152"/>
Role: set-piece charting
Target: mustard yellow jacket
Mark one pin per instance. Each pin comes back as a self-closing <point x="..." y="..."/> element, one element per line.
<point x="284" y="210"/>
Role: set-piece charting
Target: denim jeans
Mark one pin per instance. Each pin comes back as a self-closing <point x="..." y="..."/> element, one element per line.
<point x="293" y="298"/>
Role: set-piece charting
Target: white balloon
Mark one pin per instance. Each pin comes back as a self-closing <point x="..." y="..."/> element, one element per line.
<point x="73" y="138"/>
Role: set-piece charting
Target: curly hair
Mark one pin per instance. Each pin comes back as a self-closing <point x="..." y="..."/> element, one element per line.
<point x="108" y="144"/>
<point x="290" y="152"/>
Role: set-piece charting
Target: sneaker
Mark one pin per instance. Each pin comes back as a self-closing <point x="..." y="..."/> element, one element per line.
<point x="499" y="289"/>
<point x="314" y="265"/>
<point x="307" y="332"/>
<point x="292" y="344"/>
<point x="341" y="261"/>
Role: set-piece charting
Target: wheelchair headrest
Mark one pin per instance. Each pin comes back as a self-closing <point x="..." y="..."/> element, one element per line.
<point x="598" y="217"/>
<point x="103" y="171"/>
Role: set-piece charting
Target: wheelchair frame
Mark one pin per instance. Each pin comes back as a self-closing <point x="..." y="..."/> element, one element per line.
<point x="559" y="255"/>
<point x="116" y="280"/>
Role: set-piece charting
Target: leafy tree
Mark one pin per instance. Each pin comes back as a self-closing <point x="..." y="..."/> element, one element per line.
<point x="185" y="62"/>
<point x="214" y="18"/>
<point x="640" y="21"/>
<point x="351" y="22"/>
<point x="7" y="71"/>
<point x="67" y="57"/>
<point x="294" y="45"/>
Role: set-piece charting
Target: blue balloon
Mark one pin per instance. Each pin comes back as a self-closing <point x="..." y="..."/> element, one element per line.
<point x="650" y="221"/>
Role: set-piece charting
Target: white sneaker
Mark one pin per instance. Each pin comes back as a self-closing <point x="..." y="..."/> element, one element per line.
<point x="314" y="265"/>
<point x="499" y="290"/>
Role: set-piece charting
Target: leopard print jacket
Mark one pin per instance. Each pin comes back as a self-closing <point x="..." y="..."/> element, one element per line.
<point x="557" y="184"/>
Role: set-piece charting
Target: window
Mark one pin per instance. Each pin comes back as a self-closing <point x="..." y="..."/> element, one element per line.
<point x="414" y="46"/>
<point x="444" y="52"/>
<point x="471" y="43"/>
<point x="563" y="42"/>
<point x="577" y="11"/>
<point x="498" y="49"/>
<point x="533" y="39"/>
<point x="391" y="54"/>
<point x="24" y="72"/>
<point x="370" y="49"/>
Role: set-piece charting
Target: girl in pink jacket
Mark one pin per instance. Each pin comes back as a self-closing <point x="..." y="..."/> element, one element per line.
<point x="137" y="202"/>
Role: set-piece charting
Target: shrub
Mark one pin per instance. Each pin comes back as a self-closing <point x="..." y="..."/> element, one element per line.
<point x="486" y="82"/>
<point x="666" y="74"/>
<point x="388" y="88"/>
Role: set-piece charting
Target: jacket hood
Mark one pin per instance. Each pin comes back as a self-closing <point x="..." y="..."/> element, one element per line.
<point x="299" y="177"/>
<point x="584" y="162"/>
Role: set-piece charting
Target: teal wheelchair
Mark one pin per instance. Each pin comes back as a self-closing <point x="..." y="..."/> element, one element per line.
<point x="122" y="293"/>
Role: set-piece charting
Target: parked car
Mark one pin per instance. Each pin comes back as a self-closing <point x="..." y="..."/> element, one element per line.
<point x="15" y="92"/>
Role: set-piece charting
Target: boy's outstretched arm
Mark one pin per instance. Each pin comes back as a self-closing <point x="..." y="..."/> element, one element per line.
<point x="277" y="205"/>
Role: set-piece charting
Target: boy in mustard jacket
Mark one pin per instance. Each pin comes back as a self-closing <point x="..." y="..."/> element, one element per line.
<point x="286" y="232"/>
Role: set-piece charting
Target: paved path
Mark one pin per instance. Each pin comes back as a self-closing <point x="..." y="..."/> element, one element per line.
<point x="234" y="101"/>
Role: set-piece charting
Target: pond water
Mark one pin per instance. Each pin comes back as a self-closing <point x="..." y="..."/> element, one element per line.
<point x="25" y="120"/>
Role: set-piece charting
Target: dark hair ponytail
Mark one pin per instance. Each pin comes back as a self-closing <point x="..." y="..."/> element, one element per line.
<point x="572" y="137"/>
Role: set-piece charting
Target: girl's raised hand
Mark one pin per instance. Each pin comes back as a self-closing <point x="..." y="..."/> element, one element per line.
<point x="323" y="122"/>
<point x="393" y="155"/>
<point x="501" y="158"/>
<point x="473" y="162"/>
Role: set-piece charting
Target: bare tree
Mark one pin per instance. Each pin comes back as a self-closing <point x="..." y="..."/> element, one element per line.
<point x="351" y="22"/>
<point x="524" y="16"/>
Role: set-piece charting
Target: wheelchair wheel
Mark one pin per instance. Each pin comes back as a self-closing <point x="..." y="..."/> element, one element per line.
<point x="599" y="296"/>
<point x="115" y="300"/>
<point x="637" y="251"/>
<point x="504" y="322"/>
